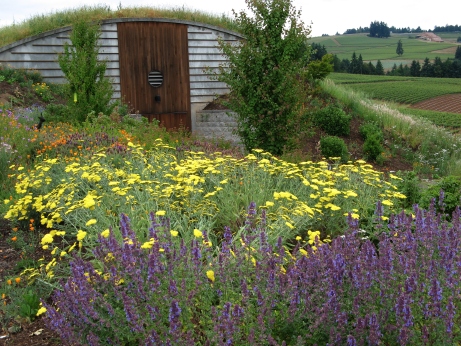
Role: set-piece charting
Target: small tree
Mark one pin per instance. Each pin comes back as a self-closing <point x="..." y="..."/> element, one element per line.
<point x="89" y="90"/>
<point x="265" y="74"/>
<point x="317" y="70"/>
<point x="458" y="53"/>
<point x="399" y="49"/>
<point x="379" y="68"/>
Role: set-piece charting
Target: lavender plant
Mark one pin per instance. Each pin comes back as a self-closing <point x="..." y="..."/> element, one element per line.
<point x="404" y="290"/>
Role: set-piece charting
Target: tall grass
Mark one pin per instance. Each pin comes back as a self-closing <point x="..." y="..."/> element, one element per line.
<point x="45" y="22"/>
<point x="432" y="146"/>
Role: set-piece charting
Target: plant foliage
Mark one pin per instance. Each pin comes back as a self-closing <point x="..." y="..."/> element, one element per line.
<point x="447" y="194"/>
<point x="348" y="292"/>
<point x="264" y="73"/>
<point x="333" y="120"/>
<point x="332" y="146"/>
<point x="89" y="89"/>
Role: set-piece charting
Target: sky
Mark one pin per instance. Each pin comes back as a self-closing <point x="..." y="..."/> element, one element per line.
<point x="326" y="16"/>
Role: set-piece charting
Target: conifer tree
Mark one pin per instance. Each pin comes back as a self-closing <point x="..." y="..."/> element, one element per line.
<point x="399" y="49"/>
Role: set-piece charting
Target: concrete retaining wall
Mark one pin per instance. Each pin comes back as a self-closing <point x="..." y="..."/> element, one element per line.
<point x="216" y="124"/>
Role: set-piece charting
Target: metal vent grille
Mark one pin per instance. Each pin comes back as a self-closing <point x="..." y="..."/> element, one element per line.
<point x="155" y="79"/>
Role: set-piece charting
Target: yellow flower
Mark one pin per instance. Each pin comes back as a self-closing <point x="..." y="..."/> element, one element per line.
<point x="41" y="311"/>
<point x="353" y="215"/>
<point x="80" y="235"/>
<point x="47" y="238"/>
<point x="298" y="238"/>
<point x="105" y="233"/>
<point x="174" y="233"/>
<point x="210" y="275"/>
<point x="148" y="244"/>
<point x="387" y="202"/>
<point x="289" y="225"/>
<point x="198" y="233"/>
<point x="72" y="247"/>
<point x="269" y="204"/>
<point x="160" y="213"/>
<point x="88" y="202"/>
<point x="91" y="222"/>
<point x="350" y="193"/>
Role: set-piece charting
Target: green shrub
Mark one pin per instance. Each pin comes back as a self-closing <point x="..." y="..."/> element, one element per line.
<point x="333" y="120"/>
<point x="410" y="187"/>
<point x="332" y="146"/>
<point x="371" y="128"/>
<point x="89" y="89"/>
<point x="58" y="112"/>
<point x="372" y="147"/>
<point x="451" y="187"/>
<point x="21" y="76"/>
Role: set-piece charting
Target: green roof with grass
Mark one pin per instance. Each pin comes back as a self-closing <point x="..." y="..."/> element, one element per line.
<point x="45" y="22"/>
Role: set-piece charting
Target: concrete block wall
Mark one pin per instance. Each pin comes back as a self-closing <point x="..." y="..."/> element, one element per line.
<point x="216" y="124"/>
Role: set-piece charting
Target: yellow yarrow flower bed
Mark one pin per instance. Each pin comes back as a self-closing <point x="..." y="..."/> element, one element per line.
<point x="198" y="191"/>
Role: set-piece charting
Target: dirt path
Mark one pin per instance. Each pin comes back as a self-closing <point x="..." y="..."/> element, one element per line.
<point x="336" y="42"/>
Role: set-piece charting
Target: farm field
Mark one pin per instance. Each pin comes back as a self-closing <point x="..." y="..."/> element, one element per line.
<point x="407" y="90"/>
<point x="446" y="103"/>
<point x="373" y="49"/>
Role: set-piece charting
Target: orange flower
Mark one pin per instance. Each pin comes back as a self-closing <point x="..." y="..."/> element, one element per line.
<point x="14" y="238"/>
<point x="9" y="282"/>
<point x="31" y="227"/>
<point x="15" y="229"/>
<point x="18" y="280"/>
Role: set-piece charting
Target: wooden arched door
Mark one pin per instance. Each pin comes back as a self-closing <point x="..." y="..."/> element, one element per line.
<point x="154" y="71"/>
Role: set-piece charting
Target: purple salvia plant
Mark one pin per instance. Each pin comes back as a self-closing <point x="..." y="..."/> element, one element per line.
<point x="402" y="289"/>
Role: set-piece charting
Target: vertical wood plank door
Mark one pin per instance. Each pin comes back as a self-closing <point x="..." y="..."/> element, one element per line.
<point x="146" y="47"/>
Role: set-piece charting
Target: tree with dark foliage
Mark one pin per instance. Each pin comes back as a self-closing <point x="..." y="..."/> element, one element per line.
<point x="458" y="53"/>
<point x="399" y="49"/>
<point x="379" y="29"/>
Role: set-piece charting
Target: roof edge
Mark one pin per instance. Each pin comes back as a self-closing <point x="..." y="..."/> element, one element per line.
<point x="119" y="20"/>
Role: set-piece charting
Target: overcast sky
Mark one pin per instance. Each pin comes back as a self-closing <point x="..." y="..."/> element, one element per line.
<point x="327" y="16"/>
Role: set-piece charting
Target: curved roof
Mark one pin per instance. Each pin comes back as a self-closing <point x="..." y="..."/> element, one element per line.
<point x="120" y="20"/>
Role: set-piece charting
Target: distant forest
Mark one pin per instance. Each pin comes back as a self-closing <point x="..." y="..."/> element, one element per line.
<point x="450" y="68"/>
<point x="393" y="29"/>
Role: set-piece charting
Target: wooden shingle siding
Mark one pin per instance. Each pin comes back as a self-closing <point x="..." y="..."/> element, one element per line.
<point x="204" y="53"/>
<point x="41" y="53"/>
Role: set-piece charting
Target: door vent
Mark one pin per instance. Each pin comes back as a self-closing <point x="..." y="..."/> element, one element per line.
<point x="155" y="78"/>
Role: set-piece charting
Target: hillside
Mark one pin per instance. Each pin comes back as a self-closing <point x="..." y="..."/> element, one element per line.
<point x="384" y="49"/>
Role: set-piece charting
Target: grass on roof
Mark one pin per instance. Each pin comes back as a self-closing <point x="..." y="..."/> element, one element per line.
<point x="45" y="22"/>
